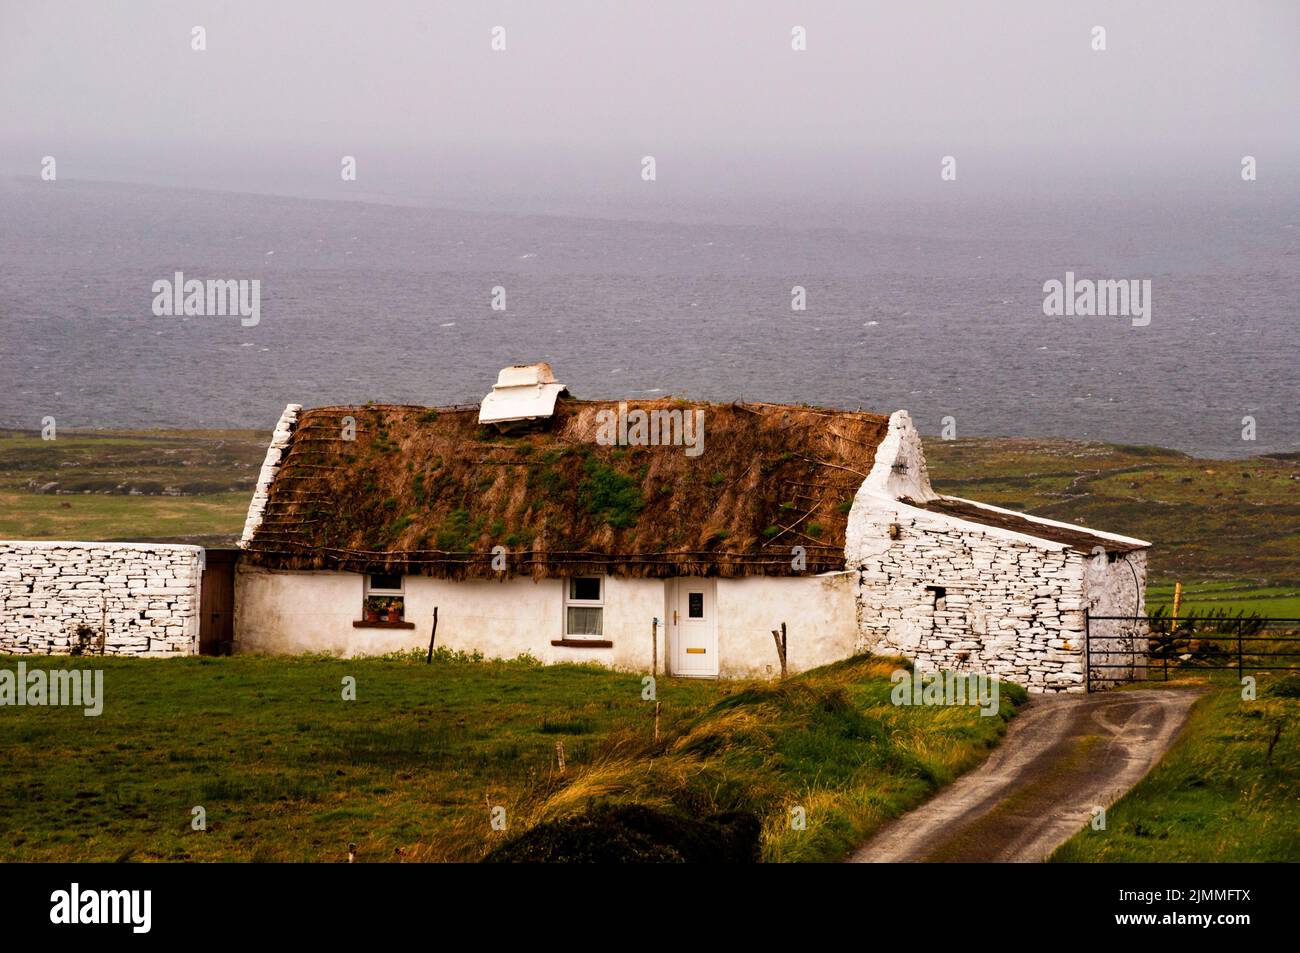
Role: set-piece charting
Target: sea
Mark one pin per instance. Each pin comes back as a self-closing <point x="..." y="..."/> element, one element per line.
<point x="936" y="307"/>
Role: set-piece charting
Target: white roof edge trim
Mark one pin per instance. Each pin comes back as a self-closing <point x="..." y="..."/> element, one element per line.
<point x="1101" y="534"/>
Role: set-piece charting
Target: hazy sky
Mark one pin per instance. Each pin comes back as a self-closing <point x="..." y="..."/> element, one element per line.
<point x="712" y="90"/>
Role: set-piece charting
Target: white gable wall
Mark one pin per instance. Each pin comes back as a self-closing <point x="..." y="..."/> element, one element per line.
<point x="1116" y="588"/>
<point x="280" y="439"/>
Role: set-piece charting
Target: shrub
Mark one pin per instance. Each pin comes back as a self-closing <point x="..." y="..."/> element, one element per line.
<point x="1288" y="686"/>
<point x="84" y="635"/>
<point x="632" y="833"/>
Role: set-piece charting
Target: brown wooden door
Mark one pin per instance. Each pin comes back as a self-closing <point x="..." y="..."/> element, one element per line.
<point x="217" y="602"/>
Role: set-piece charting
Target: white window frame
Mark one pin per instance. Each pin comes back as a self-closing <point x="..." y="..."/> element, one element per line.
<point x="584" y="604"/>
<point x="399" y="591"/>
<point x="368" y="590"/>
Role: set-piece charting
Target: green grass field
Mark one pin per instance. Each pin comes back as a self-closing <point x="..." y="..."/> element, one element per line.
<point x="1278" y="602"/>
<point x="286" y="770"/>
<point x="209" y="519"/>
<point x="175" y="485"/>
<point x="1229" y="789"/>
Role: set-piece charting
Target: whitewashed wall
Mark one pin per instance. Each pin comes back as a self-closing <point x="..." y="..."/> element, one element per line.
<point x="1011" y="608"/>
<point x="295" y="612"/>
<point x="818" y="612"/>
<point x="149" y="595"/>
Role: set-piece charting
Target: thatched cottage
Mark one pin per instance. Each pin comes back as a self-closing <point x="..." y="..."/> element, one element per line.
<point x="602" y="531"/>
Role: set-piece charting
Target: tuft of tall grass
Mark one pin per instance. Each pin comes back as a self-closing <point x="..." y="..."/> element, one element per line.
<point x="823" y="758"/>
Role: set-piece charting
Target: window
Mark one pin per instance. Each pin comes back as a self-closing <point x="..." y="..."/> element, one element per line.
<point x="695" y="605"/>
<point x="940" y="597"/>
<point x="384" y="600"/>
<point x="584" y="608"/>
<point x="382" y="585"/>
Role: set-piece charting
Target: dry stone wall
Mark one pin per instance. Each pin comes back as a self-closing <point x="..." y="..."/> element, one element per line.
<point x="144" y="597"/>
<point x="950" y="595"/>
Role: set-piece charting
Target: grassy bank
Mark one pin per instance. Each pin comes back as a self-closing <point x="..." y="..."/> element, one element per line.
<point x="828" y="742"/>
<point x="1227" y="791"/>
<point x="287" y="770"/>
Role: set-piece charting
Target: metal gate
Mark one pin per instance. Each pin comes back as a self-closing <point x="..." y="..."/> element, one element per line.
<point x="1122" y="648"/>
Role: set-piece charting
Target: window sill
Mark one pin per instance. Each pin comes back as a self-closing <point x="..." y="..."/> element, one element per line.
<point x="584" y="643"/>
<point x="382" y="624"/>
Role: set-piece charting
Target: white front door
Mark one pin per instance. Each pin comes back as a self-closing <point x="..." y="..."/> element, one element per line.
<point x="695" y="628"/>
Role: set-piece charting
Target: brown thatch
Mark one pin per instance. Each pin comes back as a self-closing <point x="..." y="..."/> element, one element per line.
<point x="432" y="492"/>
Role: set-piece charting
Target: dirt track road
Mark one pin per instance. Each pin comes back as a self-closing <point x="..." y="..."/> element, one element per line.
<point x="1063" y="755"/>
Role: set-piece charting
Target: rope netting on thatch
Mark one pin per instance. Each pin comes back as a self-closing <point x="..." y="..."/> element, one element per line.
<point x="433" y="492"/>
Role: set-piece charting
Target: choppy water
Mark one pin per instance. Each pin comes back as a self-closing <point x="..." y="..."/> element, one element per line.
<point x="937" y="309"/>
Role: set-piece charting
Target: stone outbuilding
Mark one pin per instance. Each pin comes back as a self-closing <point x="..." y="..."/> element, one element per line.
<point x="956" y="584"/>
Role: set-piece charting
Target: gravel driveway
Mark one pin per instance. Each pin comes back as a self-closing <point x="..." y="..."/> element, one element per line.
<point x="1063" y="755"/>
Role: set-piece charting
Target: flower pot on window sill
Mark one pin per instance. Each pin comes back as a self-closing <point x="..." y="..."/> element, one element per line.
<point x="372" y="615"/>
<point x="394" y="615"/>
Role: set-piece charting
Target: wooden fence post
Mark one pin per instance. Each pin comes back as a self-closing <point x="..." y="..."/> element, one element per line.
<point x="654" y="648"/>
<point x="780" y="639"/>
<point x="432" y="635"/>
<point x="1087" y="649"/>
<point x="1239" y="668"/>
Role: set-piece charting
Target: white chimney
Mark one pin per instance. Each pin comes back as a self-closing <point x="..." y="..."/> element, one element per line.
<point x="522" y="392"/>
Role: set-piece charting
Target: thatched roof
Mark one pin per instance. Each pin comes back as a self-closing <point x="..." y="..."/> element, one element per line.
<point x="432" y="492"/>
